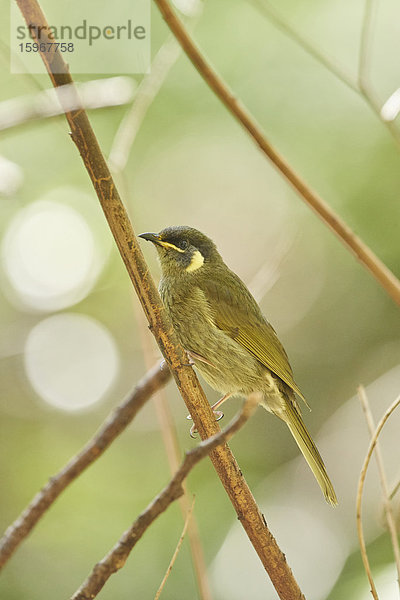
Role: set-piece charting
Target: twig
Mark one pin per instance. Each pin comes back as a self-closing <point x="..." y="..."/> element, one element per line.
<point x="228" y="471"/>
<point x="272" y="14"/>
<point x="46" y="104"/>
<point x="175" y="554"/>
<point x="394" y="490"/>
<point x="365" y="91"/>
<point x="117" y="557"/>
<point x="147" y="90"/>
<point x="352" y="242"/>
<point x="174" y="456"/>
<point x="123" y="141"/>
<point x="382" y="476"/>
<point x="115" y="423"/>
<point x="360" y="489"/>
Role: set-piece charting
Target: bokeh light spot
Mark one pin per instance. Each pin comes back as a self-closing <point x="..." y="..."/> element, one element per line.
<point x="71" y="360"/>
<point x="49" y="256"/>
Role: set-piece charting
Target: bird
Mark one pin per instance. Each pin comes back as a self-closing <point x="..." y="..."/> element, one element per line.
<point x="227" y="338"/>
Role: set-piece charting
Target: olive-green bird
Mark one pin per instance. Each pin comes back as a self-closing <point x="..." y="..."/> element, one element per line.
<point x="221" y="326"/>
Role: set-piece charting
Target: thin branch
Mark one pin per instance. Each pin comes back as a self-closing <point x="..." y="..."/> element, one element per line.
<point x="252" y="520"/>
<point x="116" y="558"/>
<point x="395" y="490"/>
<point x="115" y="423"/>
<point x="122" y="144"/>
<point x="360" y="490"/>
<point x="272" y="14"/>
<point x="364" y="91"/>
<point x="174" y="456"/>
<point x="382" y="476"/>
<point x="352" y="242"/>
<point x="93" y="94"/>
<point x="177" y="549"/>
<point x="149" y="87"/>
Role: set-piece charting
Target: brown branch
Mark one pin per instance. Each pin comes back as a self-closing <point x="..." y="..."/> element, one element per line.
<point x="264" y="543"/>
<point x="174" y="454"/>
<point x="352" y="242"/>
<point x="117" y="421"/>
<point x="360" y="491"/>
<point x="116" y="558"/>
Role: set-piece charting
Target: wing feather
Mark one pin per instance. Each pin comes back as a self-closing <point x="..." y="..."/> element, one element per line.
<point x="239" y="316"/>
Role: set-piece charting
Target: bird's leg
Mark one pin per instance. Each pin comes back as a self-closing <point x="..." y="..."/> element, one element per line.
<point x="218" y="403"/>
<point x="193" y="356"/>
<point x="218" y="414"/>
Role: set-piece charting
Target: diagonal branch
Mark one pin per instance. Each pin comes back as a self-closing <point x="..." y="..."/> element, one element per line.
<point x="252" y="520"/>
<point x="361" y="86"/>
<point x="116" y="558"/>
<point x="117" y="421"/>
<point x="174" y="453"/>
<point x="352" y="242"/>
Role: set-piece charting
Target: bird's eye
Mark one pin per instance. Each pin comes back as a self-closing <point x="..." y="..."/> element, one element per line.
<point x="183" y="244"/>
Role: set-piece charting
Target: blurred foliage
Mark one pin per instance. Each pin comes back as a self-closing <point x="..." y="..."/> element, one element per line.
<point x="192" y="164"/>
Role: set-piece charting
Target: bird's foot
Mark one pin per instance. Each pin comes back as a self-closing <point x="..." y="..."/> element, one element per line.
<point x="193" y="431"/>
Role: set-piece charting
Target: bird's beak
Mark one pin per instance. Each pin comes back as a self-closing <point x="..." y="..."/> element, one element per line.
<point x="151" y="237"/>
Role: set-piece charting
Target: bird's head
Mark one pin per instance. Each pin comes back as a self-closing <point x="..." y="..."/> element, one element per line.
<point x="183" y="250"/>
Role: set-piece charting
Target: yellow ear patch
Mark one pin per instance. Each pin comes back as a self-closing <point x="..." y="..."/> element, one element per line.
<point x="196" y="262"/>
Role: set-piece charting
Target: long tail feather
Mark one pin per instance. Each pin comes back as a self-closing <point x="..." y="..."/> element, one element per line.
<point x="310" y="452"/>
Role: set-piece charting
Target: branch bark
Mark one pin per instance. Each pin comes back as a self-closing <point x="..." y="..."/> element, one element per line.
<point x="116" y="558"/>
<point x="350" y="240"/>
<point x="223" y="460"/>
<point x="112" y="427"/>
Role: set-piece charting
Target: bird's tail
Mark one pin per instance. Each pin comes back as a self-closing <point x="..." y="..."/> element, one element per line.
<point x="310" y="452"/>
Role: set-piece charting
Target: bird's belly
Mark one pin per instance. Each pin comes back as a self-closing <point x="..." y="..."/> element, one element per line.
<point x="227" y="366"/>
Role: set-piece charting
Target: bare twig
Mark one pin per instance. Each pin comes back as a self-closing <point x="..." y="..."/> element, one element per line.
<point x="147" y="91"/>
<point x="273" y="15"/>
<point x="382" y="476"/>
<point x="115" y="423"/>
<point x="174" y="456"/>
<point x="364" y="91"/>
<point x="252" y="520"/>
<point x="117" y="557"/>
<point x="394" y="490"/>
<point x="175" y="554"/>
<point x="46" y="104"/>
<point x="118" y="158"/>
<point x="352" y="242"/>
<point x="360" y="490"/>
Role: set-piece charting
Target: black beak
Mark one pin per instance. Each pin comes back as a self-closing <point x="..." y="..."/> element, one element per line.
<point x="150" y="237"/>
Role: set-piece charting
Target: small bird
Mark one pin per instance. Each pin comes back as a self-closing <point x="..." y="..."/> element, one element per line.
<point x="226" y="336"/>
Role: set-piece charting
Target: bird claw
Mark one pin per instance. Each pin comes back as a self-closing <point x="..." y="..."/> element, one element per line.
<point x="218" y="415"/>
<point x="193" y="431"/>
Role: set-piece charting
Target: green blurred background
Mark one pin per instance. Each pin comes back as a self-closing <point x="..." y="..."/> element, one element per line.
<point x="70" y="320"/>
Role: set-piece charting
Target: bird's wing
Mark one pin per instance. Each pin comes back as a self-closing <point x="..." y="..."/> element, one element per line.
<point x="238" y="315"/>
